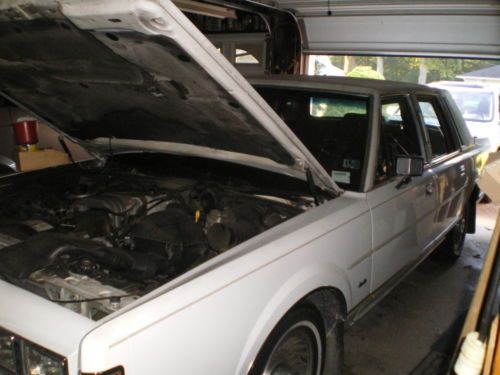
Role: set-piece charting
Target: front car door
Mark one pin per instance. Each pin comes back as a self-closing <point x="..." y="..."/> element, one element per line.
<point x="402" y="214"/>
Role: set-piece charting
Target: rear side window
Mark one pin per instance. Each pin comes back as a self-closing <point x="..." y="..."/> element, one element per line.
<point x="440" y="133"/>
<point x="334" y="127"/>
<point x="336" y="107"/>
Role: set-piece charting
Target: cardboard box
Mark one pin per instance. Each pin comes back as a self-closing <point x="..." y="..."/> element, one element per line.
<point x="32" y="160"/>
<point x="489" y="181"/>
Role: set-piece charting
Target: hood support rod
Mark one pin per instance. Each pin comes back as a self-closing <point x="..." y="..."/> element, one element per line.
<point x="312" y="186"/>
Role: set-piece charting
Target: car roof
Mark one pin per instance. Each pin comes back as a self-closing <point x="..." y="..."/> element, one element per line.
<point x="342" y="84"/>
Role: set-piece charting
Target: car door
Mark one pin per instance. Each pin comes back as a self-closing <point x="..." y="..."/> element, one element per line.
<point x="446" y="159"/>
<point x="402" y="213"/>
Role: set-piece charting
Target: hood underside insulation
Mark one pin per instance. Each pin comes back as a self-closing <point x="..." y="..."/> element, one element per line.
<point x="124" y="85"/>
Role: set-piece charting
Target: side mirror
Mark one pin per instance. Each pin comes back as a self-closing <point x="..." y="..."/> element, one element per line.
<point x="409" y="165"/>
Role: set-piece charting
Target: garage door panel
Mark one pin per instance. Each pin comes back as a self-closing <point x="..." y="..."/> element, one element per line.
<point x="426" y="35"/>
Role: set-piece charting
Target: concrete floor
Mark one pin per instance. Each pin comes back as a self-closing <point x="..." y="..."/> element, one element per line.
<point x="414" y="329"/>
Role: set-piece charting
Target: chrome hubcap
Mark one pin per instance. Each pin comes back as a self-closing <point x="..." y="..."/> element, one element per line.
<point x="298" y="352"/>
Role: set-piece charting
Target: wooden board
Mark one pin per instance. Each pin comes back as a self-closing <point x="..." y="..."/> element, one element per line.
<point x="490" y="349"/>
<point x="477" y="301"/>
<point x="32" y="160"/>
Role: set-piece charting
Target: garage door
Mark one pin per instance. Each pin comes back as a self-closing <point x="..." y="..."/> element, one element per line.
<point x="399" y="27"/>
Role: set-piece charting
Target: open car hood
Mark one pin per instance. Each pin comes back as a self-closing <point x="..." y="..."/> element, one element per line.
<point x="137" y="75"/>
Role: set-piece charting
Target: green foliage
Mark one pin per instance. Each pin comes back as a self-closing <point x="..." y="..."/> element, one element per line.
<point x="365" y="72"/>
<point x="397" y="68"/>
<point x="448" y="69"/>
<point x="338" y="61"/>
<point x="401" y="69"/>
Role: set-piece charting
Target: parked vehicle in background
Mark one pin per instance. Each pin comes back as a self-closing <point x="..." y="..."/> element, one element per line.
<point x="480" y="107"/>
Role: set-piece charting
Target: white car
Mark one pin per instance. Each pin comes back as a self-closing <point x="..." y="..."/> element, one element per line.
<point x="207" y="236"/>
<point x="480" y="107"/>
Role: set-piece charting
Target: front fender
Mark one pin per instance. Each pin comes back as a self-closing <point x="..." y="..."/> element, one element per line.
<point x="296" y="287"/>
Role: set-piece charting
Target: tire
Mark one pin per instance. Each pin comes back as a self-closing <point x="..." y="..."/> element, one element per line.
<point x="452" y="246"/>
<point x="295" y="346"/>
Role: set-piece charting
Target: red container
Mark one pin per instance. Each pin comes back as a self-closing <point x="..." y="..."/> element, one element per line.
<point x="26" y="132"/>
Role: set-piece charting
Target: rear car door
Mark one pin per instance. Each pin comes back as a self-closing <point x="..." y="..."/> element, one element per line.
<point x="452" y="169"/>
<point x="402" y="214"/>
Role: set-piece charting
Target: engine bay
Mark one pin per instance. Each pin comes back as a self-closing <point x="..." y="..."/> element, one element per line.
<point x="94" y="242"/>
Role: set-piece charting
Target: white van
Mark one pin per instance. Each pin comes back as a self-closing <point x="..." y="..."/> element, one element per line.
<point x="480" y="108"/>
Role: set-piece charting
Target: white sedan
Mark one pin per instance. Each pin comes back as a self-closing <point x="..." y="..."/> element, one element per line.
<point x="217" y="231"/>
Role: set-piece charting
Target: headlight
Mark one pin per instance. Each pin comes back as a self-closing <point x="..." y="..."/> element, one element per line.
<point x="21" y="357"/>
<point x="38" y="362"/>
<point x="7" y="358"/>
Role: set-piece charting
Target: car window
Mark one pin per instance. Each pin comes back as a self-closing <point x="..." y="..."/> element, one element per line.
<point x="322" y="106"/>
<point x="398" y="136"/>
<point x="475" y="105"/>
<point x="334" y="127"/>
<point x="438" y="130"/>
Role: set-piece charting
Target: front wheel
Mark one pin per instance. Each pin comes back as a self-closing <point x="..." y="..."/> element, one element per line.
<point x="296" y="346"/>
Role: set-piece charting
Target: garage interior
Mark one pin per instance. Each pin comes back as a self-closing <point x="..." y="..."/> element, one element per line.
<point x="415" y="328"/>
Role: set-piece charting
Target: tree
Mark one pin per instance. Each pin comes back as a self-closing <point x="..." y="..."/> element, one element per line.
<point x="365" y="72"/>
<point x="422" y="72"/>
<point x="349" y="63"/>
<point x="380" y="65"/>
<point x="413" y="69"/>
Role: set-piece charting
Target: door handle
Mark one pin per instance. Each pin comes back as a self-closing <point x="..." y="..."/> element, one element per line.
<point x="429" y="189"/>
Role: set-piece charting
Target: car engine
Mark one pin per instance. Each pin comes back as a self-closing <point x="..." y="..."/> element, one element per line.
<point x="97" y="243"/>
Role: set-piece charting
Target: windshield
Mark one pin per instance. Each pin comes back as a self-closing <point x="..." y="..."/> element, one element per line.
<point x="332" y="126"/>
<point x="474" y="105"/>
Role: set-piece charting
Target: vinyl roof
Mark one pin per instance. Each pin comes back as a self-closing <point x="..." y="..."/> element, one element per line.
<point x="343" y="84"/>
